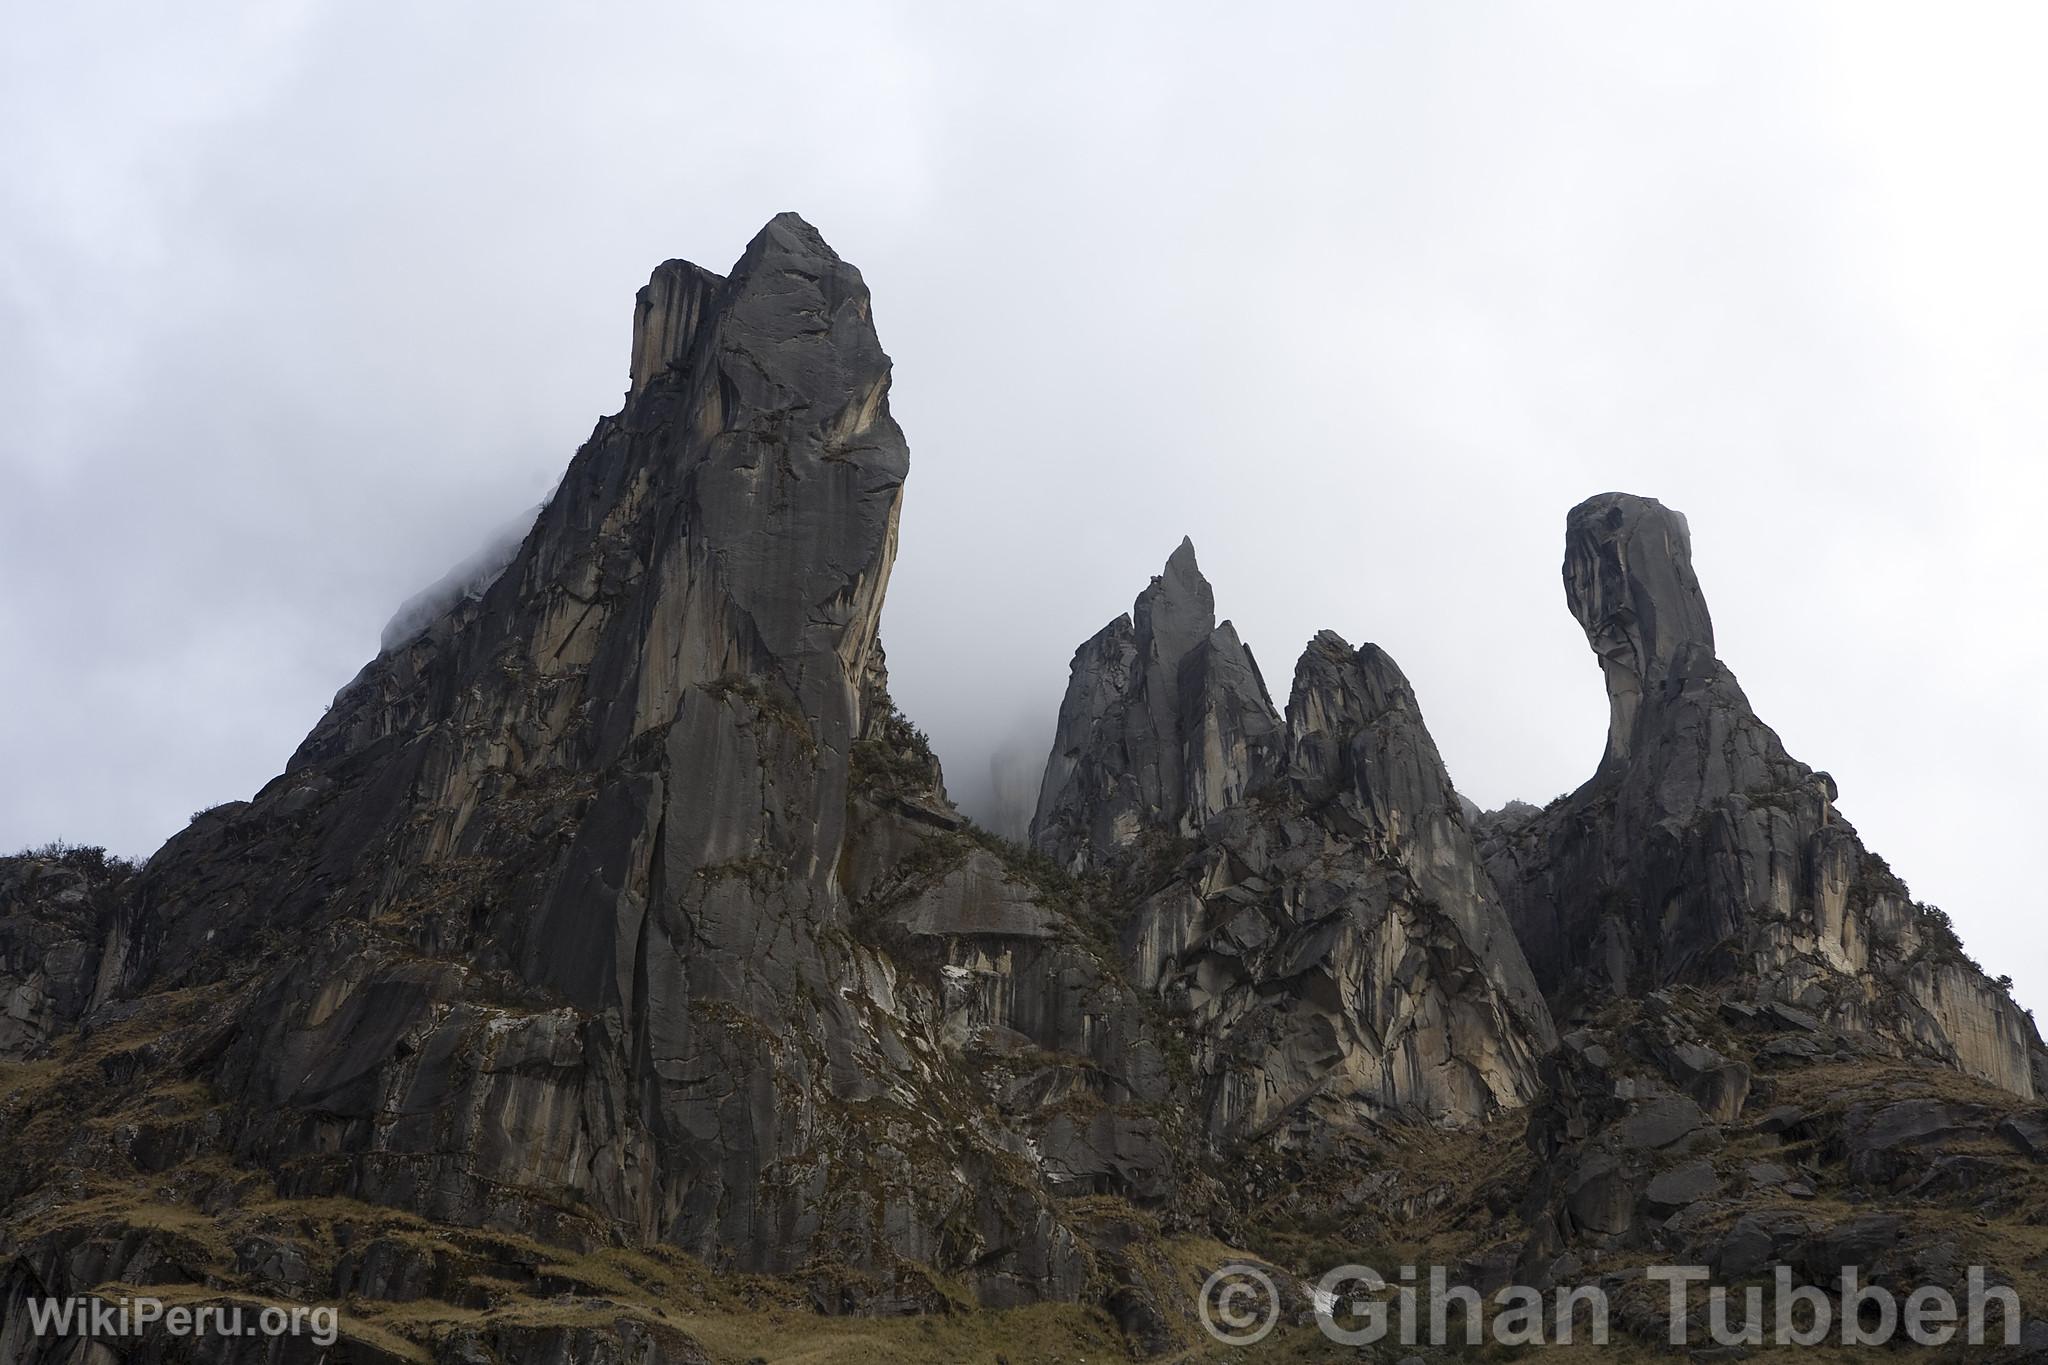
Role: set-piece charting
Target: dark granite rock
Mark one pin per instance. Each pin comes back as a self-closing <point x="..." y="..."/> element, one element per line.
<point x="1884" y="1142"/>
<point x="1662" y="1121"/>
<point x="1782" y="1118"/>
<point x="1600" y="1197"/>
<point x="66" y="926"/>
<point x="2027" y="1133"/>
<point x="1761" y="1239"/>
<point x="613" y="910"/>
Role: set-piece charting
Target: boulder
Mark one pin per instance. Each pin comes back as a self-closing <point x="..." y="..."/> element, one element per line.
<point x="1682" y="1185"/>
<point x="2027" y="1134"/>
<point x="1883" y="1141"/>
<point x="1663" y="1121"/>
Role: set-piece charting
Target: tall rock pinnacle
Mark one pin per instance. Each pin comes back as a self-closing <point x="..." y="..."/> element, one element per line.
<point x="1702" y="851"/>
<point x="593" y="878"/>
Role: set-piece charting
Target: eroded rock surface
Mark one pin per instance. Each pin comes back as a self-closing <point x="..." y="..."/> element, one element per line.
<point x="66" y="918"/>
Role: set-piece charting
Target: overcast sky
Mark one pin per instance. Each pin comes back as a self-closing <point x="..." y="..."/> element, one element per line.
<point x="299" y="301"/>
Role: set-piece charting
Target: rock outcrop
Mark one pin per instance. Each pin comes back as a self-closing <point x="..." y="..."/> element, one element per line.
<point x="1305" y="893"/>
<point x="1700" y="851"/>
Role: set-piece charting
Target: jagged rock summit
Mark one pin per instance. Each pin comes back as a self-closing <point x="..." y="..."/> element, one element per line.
<point x="1165" y="723"/>
<point x="1306" y="892"/>
<point x="1700" y="851"/>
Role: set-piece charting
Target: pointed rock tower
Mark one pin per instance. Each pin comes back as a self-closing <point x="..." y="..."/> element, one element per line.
<point x="1166" y="722"/>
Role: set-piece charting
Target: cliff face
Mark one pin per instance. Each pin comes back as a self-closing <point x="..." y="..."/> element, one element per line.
<point x="1702" y="852"/>
<point x="1305" y="892"/>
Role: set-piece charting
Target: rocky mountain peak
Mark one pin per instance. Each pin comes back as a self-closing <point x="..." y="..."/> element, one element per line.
<point x="570" y="872"/>
<point x="1177" y="608"/>
<point x="789" y="283"/>
<point x="1308" y="891"/>
<point x="668" y="313"/>
<point x="1338" y="689"/>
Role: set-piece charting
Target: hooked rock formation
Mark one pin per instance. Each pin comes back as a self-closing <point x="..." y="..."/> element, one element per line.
<point x="1700" y="851"/>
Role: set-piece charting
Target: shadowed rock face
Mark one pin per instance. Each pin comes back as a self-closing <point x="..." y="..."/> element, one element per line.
<point x="1702" y="851"/>
<point x="1306" y="894"/>
<point x="65" y="921"/>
